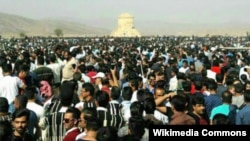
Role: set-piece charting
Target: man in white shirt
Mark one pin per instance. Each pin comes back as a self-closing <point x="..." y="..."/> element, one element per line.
<point x="173" y="83"/>
<point x="31" y="92"/>
<point x="134" y="85"/>
<point x="125" y="109"/>
<point x="9" y="85"/>
<point x="184" y="67"/>
<point x="55" y="67"/>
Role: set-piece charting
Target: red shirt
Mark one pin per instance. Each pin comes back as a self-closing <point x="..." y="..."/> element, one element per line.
<point x="90" y="75"/>
<point x="216" y="69"/>
<point x="192" y="88"/>
<point x="71" y="136"/>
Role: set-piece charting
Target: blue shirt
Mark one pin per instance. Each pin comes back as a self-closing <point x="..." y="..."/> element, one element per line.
<point x="243" y="116"/>
<point x="212" y="101"/>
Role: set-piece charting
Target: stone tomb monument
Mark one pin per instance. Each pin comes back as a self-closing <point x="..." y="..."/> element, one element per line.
<point x="125" y="27"/>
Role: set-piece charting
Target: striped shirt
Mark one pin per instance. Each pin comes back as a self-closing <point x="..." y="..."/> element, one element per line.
<point x="114" y="108"/>
<point x="85" y="104"/>
<point x="109" y="120"/>
<point x="55" y="128"/>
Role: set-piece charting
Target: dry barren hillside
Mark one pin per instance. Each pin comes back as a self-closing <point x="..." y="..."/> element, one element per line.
<point x="14" y="25"/>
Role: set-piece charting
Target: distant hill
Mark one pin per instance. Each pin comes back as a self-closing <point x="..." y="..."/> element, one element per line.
<point x="14" y="25"/>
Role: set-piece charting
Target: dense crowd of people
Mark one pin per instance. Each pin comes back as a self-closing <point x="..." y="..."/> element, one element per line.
<point x="115" y="89"/>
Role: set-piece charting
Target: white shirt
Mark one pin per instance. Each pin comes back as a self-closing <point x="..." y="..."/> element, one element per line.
<point x="81" y="135"/>
<point x="183" y="70"/>
<point x="79" y="89"/>
<point x="158" y="115"/>
<point x="173" y="83"/>
<point x="1" y="73"/>
<point x="134" y="97"/>
<point x="9" y="87"/>
<point x="56" y="69"/>
<point x="211" y="74"/>
<point x="38" y="109"/>
<point x="85" y="78"/>
<point x="242" y="71"/>
<point x="101" y="109"/>
<point x="125" y="109"/>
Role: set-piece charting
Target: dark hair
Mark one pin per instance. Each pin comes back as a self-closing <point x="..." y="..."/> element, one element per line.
<point x="23" y="100"/>
<point x="127" y="93"/>
<point x="5" y="131"/>
<point x="105" y="81"/>
<point x="136" y="126"/>
<point x="227" y="97"/>
<point x="151" y="75"/>
<point x="186" y="85"/>
<point x="102" y="98"/>
<point x="247" y="96"/>
<point x="52" y="58"/>
<point x="40" y="60"/>
<point x="90" y="113"/>
<point x="179" y="103"/>
<point x="136" y="109"/>
<point x="82" y="68"/>
<point x="115" y="92"/>
<point x="77" y="76"/>
<point x="20" y="113"/>
<point x="221" y="119"/>
<point x="161" y="83"/>
<point x="149" y="105"/>
<point x="198" y="85"/>
<point x="181" y="75"/>
<point x="219" y="77"/>
<point x="74" y="111"/>
<point x="198" y="100"/>
<point x="239" y="87"/>
<point x="229" y="81"/>
<point x="23" y="67"/>
<point x="30" y="92"/>
<point x="142" y="94"/>
<point x="90" y="117"/>
<point x="4" y="105"/>
<point x="192" y="77"/>
<point x="89" y="88"/>
<point x="212" y="85"/>
<point x="7" y="68"/>
<point x="134" y="83"/>
<point x="107" y="134"/>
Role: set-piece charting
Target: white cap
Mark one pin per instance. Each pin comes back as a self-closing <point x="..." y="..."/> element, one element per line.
<point x="99" y="74"/>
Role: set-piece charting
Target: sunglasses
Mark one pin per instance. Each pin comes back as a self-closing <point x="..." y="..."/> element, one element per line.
<point x="67" y="120"/>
